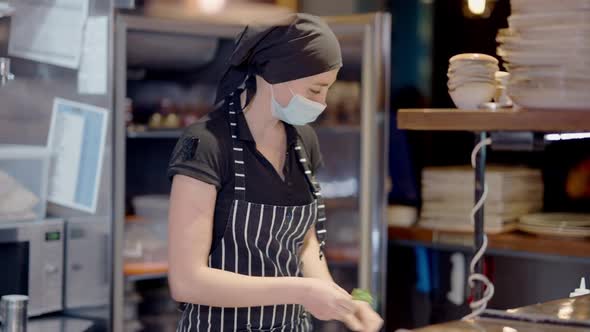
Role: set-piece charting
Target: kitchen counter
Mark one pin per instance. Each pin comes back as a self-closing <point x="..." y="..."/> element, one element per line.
<point x="61" y="324"/>
<point x="498" y="325"/>
<point x="564" y="315"/>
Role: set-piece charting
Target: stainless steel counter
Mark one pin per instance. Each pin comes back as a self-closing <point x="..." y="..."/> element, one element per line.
<point x="60" y="324"/>
<point x="572" y="309"/>
<point x="499" y="325"/>
<point x="564" y="315"/>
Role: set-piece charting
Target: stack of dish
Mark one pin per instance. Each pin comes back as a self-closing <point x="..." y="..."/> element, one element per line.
<point x="547" y="51"/>
<point x="556" y="224"/>
<point x="472" y="79"/>
<point x="448" y="197"/>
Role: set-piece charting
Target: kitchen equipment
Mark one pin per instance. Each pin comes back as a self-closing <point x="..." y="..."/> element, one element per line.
<point x="24" y="171"/>
<point x="501" y="97"/>
<point x="5" y="74"/>
<point x="153" y="211"/>
<point x="472" y="94"/>
<point x="31" y="254"/>
<point x="152" y="207"/>
<point x="582" y="290"/>
<point x="87" y="262"/>
<point x="471" y="79"/>
<point x="13" y="313"/>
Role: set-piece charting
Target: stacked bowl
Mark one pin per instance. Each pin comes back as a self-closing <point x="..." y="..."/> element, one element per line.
<point x="472" y="79"/>
<point x="547" y="51"/>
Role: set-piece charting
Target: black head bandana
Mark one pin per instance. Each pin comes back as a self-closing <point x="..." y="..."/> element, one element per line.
<point x="301" y="47"/>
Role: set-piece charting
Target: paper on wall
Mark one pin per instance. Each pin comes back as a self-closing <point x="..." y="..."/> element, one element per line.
<point x="48" y="31"/>
<point x="77" y="137"/>
<point x="92" y="75"/>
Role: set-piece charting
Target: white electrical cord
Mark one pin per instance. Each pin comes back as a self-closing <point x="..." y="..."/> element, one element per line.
<point x="479" y="306"/>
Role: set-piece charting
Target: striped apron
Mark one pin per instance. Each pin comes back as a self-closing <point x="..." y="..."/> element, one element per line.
<point x="263" y="241"/>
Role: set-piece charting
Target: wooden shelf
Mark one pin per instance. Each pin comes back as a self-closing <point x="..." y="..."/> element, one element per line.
<point x="503" y="120"/>
<point x="135" y="271"/>
<point x="142" y="270"/>
<point x="513" y="241"/>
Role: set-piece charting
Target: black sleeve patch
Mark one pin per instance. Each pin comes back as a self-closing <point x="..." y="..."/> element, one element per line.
<point x="189" y="148"/>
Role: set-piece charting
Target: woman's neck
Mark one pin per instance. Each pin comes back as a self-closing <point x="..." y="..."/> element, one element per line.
<point x="259" y="116"/>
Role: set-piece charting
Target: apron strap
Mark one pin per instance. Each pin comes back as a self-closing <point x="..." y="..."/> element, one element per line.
<point x="320" y="226"/>
<point x="233" y="106"/>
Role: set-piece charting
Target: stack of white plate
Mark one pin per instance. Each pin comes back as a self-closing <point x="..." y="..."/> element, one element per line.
<point x="547" y="51"/>
<point x="556" y="224"/>
<point x="472" y="79"/>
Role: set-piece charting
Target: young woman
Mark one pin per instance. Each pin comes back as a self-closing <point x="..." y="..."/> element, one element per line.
<point x="246" y="217"/>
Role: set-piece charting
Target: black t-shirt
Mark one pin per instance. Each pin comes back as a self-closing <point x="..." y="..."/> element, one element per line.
<point x="204" y="152"/>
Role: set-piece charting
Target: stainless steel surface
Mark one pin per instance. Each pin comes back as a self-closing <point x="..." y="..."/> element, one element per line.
<point x="124" y="4"/>
<point x="182" y="26"/>
<point x="5" y="73"/>
<point x="572" y="309"/>
<point x="27" y="104"/>
<point x="183" y="51"/>
<point x="498" y="325"/>
<point x="374" y="31"/>
<point x="59" y="324"/>
<point x="44" y="265"/>
<point x="118" y="179"/>
<point x="87" y="262"/>
<point x="125" y="24"/>
<point x="565" y="315"/>
<point x="13" y="313"/>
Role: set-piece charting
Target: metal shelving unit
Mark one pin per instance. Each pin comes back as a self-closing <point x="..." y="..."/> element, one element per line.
<point x="483" y="122"/>
<point x="365" y="40"/>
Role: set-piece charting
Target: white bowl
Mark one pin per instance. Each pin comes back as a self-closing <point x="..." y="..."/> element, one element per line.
<point x="472" y="71"/>
<point x="471" y="95"/>
<point x="455" y="83"/>
<point x="473" y="57"/>
<point x="502" y="78"/>
<point x="473" y="74"/>
<point x="471" y="65"/>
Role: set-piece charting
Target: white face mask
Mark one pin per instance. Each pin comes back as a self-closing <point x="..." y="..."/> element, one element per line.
<point x="298" y="112"/>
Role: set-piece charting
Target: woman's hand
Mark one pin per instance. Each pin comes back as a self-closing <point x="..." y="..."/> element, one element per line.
<point x="369" y="320"/>
<point x="325" y="300"/>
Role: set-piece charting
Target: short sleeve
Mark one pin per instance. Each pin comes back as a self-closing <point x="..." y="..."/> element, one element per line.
<point x="312" y="147"/>
<point x="198" y="154"/>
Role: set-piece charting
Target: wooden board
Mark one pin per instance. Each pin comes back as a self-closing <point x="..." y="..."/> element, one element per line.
<point x="498" y="325"/>
<point x="483" y="120"/>
<point x="513" y="241"/>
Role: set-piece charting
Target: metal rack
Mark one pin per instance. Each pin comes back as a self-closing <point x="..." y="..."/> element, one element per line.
<point x="371" y="63"/>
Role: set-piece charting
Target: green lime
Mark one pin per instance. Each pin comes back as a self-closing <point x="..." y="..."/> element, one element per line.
<point x="362" y="295"/>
